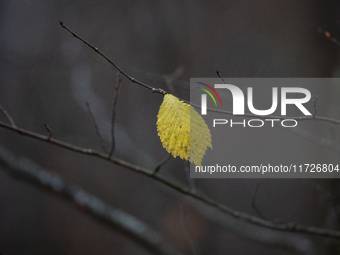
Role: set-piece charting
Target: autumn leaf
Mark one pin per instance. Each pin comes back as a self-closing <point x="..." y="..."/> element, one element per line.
<point x="183" y="132"/>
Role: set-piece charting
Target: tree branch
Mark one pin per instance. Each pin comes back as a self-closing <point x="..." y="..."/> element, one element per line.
<point x="160" y="91"/>
<point x="138" y="231"/>
<point x="288" y="227"/>
<point x="113" y="113"/>
<point x="3" y="110"/>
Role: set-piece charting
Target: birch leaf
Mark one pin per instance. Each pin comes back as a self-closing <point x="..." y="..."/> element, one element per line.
<point x="178" y="137"/>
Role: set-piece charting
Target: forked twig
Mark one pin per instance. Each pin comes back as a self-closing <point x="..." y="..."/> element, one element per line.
<point x="48" y="129"/>
<point x="287" y="227"/>
<point x="3" y="110"/>
<point x="160" y="164"/>
<point x="163" y="92"/>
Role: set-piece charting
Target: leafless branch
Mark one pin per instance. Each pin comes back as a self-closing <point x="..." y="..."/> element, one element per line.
<point x="85" y="202"/>
<point x="219" y="75"/>
<point x="160" y="91"/>
<point x="113" y="111"/>
<point x="3" y="110"/>
<point x="287" y="227"/>
<point x="95" y="126"/>
<point x="48" y="129"/>
<point x="160" y="164"/>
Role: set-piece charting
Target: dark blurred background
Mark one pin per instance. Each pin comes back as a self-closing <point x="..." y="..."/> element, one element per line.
<point x="47" y="76"/>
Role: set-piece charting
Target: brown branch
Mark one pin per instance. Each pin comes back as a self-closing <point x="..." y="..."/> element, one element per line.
<point x="95" y="126"/>
<point x="160" y="164"/>
<point x="159" y="90"/>
<point x="114" y="103"/>
<point x="85" y="202"/>
<point x="3" y="110"/>
<point x="48" y="129"/>
<point x="287" y="227"/>
<point x="219" y="75"/>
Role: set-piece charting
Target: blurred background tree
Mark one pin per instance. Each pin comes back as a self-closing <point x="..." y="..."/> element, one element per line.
<point x="47" y="76"/>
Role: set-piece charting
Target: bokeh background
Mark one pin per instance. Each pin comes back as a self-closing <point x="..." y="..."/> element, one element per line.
<point x="47" y="76"/>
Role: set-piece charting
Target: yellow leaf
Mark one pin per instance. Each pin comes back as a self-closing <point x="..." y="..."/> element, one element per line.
<point x="178" y="137"/>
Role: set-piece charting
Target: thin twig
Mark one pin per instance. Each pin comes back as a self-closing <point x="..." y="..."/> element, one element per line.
<point x="288" y="227"/>
<point x="101" y="140"/>
<point x="48" y="129"/>
<point x="163" y="92"/>
<point x="3" y="110"/>
<point x="160" y="164"/>
<point x="113" y="111"/>
<point x="159" y="90"/>
<point x="85" y="202"/>
<point x="219" y="75"/>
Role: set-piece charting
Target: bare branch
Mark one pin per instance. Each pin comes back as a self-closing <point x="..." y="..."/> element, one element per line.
<point x="138" y="231"/>
<point x="159" y="90"/>
<point x="163" y="92"/>
<point x="160" y="164"/>
<point x="114" y="103"/>
<point x="3" y="110"/>
<point x="48" y="129"/>
<point x="287" y="227"/>
<point x="219" y="75"/>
